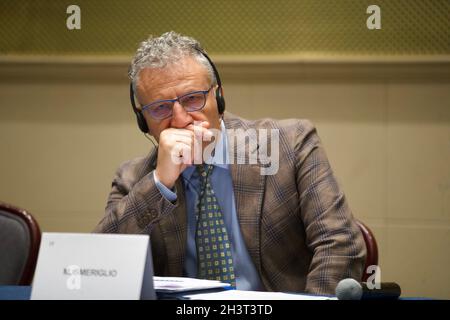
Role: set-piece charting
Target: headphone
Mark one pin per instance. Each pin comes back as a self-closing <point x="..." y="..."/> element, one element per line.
<point x="142" y="124"/>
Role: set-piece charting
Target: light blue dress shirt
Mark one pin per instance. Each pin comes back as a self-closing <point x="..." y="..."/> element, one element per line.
<point x="247" y="277"/>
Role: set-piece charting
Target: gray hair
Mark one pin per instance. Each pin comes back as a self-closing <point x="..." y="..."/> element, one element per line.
<point x="164" y="50"/>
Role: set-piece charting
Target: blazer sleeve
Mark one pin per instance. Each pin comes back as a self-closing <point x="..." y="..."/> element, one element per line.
<point x="331" y="233"/>
<point x="134" y="203"/>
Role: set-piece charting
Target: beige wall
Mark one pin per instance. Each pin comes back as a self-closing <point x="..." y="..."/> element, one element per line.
<point x="65" y="128"/>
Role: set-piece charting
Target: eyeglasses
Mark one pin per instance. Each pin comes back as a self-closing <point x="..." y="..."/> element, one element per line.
<point x="192" y="101"/>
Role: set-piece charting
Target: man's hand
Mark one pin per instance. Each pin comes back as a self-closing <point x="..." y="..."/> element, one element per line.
<point x="176" y="150"/>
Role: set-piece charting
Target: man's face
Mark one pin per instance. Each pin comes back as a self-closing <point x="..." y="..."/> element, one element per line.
<point x="173" y="81"/>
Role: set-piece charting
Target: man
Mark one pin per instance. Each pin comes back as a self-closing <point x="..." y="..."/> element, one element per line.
<point x="289" y="230"/>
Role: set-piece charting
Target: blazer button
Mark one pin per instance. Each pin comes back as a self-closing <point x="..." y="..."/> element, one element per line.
<point x="145" y="220"/>
<point x="153" y="213"/>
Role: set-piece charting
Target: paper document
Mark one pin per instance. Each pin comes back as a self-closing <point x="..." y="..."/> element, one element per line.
<point x="181" y="284"/>
<point x="253" y="295"/>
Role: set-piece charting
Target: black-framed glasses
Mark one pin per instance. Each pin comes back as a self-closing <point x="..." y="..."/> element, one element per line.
<point x="192" y="101"/>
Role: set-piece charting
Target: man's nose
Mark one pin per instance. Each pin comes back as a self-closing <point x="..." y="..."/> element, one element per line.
<point x="180" y="117"/>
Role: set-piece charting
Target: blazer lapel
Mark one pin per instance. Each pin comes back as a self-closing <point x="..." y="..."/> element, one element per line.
<point x="249" y="185"/>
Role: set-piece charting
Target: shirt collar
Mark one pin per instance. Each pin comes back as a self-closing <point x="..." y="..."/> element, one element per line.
<point x="220" y="158"/>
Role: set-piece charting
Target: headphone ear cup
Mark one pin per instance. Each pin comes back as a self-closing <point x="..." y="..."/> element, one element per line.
<point x="220" y="100"/>
<point x="142" y="124"/>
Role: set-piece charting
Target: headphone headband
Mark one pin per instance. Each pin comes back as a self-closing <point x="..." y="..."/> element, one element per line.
<point x="216" y="73"/>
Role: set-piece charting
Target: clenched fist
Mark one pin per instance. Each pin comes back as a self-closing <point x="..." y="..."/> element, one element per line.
<point x="176" y="150"/>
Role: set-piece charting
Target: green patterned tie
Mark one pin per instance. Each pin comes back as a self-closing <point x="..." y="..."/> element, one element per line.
<point x="213" y="244"/>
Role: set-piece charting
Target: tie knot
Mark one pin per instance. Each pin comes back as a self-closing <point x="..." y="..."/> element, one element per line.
<point x="204" y="171"/>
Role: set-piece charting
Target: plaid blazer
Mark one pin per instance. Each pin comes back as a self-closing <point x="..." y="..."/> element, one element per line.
<point x="296" y="224"/>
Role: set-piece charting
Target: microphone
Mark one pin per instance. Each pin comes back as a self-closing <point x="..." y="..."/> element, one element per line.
<point x="350" y="289"/>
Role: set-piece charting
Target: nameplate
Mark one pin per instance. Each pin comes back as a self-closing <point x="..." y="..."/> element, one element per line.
<point x="93" y="266"/>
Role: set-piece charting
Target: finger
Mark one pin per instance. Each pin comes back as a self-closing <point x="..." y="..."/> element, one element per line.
<point x="200" y="124"/>
<point x="186" y="140"/>
<point x="205" y="124"/>
<point x="200" y="132"/>
<point x="181" y="132"/>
